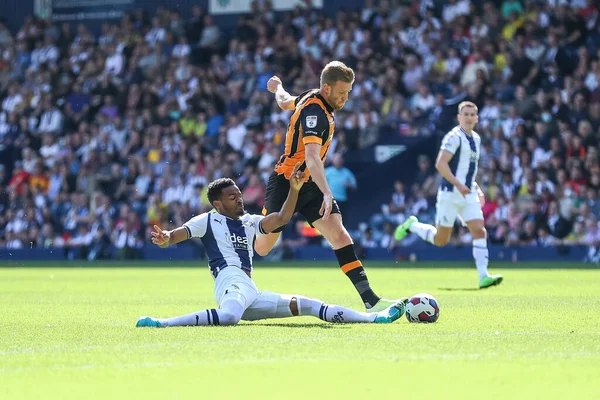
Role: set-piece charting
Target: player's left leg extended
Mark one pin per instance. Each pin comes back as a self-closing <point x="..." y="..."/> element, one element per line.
<point x="229" y="313"/>
<point x="275" y="305"/>
<point x="481" y="253"/>
<point x="234" y="292"/>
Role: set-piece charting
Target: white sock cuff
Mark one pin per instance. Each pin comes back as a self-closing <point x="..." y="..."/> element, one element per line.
<point x="480" y="243"/>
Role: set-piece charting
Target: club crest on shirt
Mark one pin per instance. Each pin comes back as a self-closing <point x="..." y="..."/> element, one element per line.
<point x="311" y="121"/>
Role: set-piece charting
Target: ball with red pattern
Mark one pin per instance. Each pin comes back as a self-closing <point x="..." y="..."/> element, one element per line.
<point x="422" y="307"/>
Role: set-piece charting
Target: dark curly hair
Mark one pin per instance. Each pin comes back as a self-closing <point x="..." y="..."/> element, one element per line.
<point x="216" y="187"/>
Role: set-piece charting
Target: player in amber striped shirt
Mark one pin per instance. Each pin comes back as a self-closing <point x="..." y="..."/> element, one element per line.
<point x="307" y="141"/>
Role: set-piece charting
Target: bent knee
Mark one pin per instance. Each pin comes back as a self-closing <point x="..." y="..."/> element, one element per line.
<point x="479" y="233"/>
<point x="340" y="238"/>
<point x="228" y="318"/>
<point x="441" y="240"/>
<point x="442" y="236"/>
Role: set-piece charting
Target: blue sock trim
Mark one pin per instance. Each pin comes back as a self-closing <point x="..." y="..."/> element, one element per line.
<point x="215" y="317"/>
<point x="321" y="312"/>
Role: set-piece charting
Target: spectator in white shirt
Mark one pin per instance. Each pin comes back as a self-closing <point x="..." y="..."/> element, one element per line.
<point x="423" y="100"/>
<point x="51" y="120"/>
<point x="328" y="36"/>
<point x="156" y="34"/>
<point x="37" y="56"/>
<point x="367" y="12"/>
<point x="413" y="35"/>
<point x="478" y="30"/>
<point x="489" y="112"/>
<point x="49" y="150"/>
<point x="453" y="62"/>
<point x="210" y="34"/>
<point x="469" y="75"/>
<point x="236" y="134"/>
<point x="419" y="204"/>
<point x="13" y="99"/>
<point x="13" y="241"/>
<point x="171" y="194"/>
<point x="453" y="9"/>
<point x="509" y="125"/>
<point x="308" y="45"/>
<point x="412" y="74"/>
<point x="29" y="160"/>
<point x="544" y="183"/>
<point x="181" y="49"/>
<point x="5" y="36"/>
<point x="539" y="155"/>
<point x="50" y="53"/>
<point x="114" y="62"/>
<point x="340" y="50"/>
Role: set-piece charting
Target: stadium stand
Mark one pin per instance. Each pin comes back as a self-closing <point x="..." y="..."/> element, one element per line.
<point x="104" y="135"/>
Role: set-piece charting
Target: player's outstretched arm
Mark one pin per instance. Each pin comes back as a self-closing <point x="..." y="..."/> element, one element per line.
<point x="443" y="167"/>
<point x="285" y="100"/>
<point x="164" y="238"/>
<point x="275" y="220"/>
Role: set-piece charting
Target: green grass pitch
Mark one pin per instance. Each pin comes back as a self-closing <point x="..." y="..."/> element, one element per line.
<point x="68" y="333"/>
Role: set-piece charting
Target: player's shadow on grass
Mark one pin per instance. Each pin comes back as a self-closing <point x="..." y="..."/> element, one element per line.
<point x="322" y="326"/>
<point x="449" y="289"/>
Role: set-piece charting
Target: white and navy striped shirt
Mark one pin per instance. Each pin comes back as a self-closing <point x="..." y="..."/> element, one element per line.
<point x="466" y="149"/>
<point x="228" y="242"/>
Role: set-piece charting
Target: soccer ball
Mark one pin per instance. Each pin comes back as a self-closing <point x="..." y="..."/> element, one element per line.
<point x="422" y="307"/>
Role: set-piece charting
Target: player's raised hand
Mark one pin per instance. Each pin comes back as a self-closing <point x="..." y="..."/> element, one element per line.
<point x="273" y="83"/>
<point x="297" y="178"/>
<point x="160" y="237"/>
<point x="325" y="210"/>
<point x="463" y="189"/>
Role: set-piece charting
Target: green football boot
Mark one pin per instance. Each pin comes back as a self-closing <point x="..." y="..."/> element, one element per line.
<point x="402" y="229"/>
<point x="490" y="280"/>
<point x="391" y="313"/>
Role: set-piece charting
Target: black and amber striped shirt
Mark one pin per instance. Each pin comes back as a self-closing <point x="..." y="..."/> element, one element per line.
<point x="312" y="122"/>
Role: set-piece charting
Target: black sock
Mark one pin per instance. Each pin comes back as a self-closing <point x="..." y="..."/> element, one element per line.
<point x="354" y="270"/>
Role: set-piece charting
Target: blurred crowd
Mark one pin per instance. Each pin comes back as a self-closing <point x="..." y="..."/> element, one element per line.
<point x="534" y="70"/>
<point x="103" y="136"/>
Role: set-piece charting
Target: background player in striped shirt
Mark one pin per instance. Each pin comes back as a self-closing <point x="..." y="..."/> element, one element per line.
<point x="458" y="195"/>
<point x="228" y="236"/>
<point x="307" y="141"/>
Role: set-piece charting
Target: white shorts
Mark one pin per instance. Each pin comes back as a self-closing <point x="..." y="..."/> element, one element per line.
<point x="257" y="304"/>
<point x="449" y="205"/>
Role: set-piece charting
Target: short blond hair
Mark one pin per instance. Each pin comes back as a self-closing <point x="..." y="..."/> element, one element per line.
<point x="467" y="104"/>
<point x="336" y="71"/>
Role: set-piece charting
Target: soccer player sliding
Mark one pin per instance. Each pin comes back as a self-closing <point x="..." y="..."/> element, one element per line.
<point x="228" y="236"/>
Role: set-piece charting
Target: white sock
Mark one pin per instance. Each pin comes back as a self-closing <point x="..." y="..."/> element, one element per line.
<point x="331" y="313"/>
<point x="424" y="231"/>
<point x="230" y="313"/>
<point x="481" y="256"/>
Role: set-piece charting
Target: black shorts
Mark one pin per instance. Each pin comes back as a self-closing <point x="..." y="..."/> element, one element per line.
<point x="310" y="199"/>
